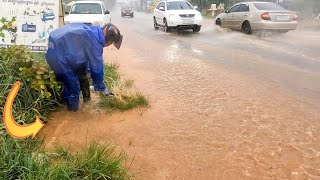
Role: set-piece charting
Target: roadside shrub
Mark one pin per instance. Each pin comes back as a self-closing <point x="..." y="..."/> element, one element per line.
<point x="35" y="71"/>
<point x="39" y="93"/>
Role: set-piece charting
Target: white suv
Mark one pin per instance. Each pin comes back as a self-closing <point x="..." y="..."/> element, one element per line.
<point x="92" y="13"/>
<point x="178" y="14"/>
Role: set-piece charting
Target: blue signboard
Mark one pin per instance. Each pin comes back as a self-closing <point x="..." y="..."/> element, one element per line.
<point x="48" y="16"/>
<point x="29" y="28"/>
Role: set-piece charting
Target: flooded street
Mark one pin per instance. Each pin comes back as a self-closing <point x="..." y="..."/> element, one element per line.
<point x="224" y="105"/>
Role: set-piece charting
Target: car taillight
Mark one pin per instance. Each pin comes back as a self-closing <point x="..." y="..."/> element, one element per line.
<point x="265" y="16"/>
<point x="295" y="17"/>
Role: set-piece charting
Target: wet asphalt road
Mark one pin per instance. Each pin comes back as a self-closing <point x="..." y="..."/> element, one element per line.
<point x="224" y="105"/>
<point x="289" y="61"/>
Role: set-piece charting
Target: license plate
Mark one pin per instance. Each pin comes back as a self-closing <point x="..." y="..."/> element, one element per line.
<point x="283" y="18"/>
<point x="187" y="22"/>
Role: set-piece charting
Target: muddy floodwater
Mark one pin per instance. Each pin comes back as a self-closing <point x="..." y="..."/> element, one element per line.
<point x="223" y="105"/>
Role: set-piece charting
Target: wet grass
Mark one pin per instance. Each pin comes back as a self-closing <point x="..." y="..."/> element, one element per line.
<point x="126" y="97"/>
<point x="111" y="74"/>
<point x="124" y="102"/>
<point x="26" y="159"/>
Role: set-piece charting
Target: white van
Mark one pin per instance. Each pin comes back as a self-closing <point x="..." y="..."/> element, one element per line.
<point x="92" y="13"/>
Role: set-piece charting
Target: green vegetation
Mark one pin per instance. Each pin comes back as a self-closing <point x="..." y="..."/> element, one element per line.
<point x="126" y="97"/>
<point x="111" y="75"/>
<point x="6" y="25"/>
<point x="26" y="159"/>
<point x="33" y="69"/>
<point x="124" y="102"/>
<point x="39" y="93"/>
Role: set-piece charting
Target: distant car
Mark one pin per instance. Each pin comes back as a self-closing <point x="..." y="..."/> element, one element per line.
<point x="127" y="11"/>
<point x="92" y="13"/>
<point x="177" y="14"/>
<point x="255" y="16"/>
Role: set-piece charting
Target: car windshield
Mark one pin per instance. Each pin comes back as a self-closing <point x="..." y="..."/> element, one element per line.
<point x="268" y="6"/>
<point x="178" y="5"/>
<point x="127" y="7"/>
<point x="86" y="8"/>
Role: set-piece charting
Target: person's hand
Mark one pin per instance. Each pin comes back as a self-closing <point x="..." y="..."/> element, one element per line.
<point x="107" y="93"/>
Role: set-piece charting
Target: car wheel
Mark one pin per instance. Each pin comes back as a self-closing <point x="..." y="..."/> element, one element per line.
<point x="218" y="22"/>
<point x="246" y="27"/>
<point x="155" y="23"/>
<point x="165" y="26"/>
<point x="197" y="29"/>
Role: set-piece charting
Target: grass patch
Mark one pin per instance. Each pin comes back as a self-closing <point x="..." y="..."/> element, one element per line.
<point x="126" y="96"/>
<point x="128" y="83"/>
<point x="111" y="75"/>
<point x="124" y="102"/>
<point x="25" y="159"/>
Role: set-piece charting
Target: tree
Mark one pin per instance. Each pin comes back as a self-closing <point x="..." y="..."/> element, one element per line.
<point x="205" y="4"/>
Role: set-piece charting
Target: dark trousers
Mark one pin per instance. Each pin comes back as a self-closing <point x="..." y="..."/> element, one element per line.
<point x="84" y="84"/>
<point x="74" y="82"/>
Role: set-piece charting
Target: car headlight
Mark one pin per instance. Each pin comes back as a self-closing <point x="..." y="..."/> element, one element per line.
<point x="173" y="16"/>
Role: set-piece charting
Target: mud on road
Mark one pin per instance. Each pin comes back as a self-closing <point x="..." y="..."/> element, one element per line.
<point x="224" y="105"/>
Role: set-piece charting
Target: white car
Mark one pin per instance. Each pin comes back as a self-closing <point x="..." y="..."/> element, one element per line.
<point x="177" y="14"/>
<point x="255" y="16"/>
<point x="92" y="13"/>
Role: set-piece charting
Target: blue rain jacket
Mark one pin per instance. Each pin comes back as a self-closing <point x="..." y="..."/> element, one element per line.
<point x="72" y="47"/>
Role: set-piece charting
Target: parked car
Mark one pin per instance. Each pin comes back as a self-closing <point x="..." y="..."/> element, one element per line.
<point x="92" y="13"/>
<point x="255" y="16"/>
<point x="177" y="14"/>
<point x="127" y="11"/>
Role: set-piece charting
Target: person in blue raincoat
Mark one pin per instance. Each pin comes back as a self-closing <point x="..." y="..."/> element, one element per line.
<point x="72" y="51"/>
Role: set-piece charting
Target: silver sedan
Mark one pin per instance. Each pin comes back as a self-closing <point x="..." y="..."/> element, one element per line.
<point x="255" y="16"/>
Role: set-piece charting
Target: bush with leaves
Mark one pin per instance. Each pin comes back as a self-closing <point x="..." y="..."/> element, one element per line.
<point x="35" y="72"/>
<point x="39" y="93"/>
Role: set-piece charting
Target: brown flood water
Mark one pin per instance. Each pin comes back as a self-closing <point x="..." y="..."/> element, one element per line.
<point x="207" y="120"/>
